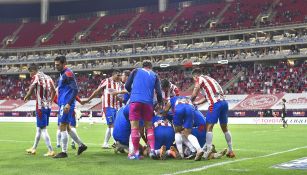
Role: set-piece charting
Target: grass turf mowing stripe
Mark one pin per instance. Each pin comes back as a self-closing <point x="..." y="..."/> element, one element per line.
<point x="234" y="161"/>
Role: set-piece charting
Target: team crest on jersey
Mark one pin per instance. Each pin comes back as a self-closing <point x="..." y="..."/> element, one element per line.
<point x="294" y="164"/>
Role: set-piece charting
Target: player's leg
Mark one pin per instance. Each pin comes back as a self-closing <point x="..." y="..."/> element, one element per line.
<point x="40" y="123"/>
<point x="64" y="124"/>
<point x="178" y="122"/>
<point x="134" y="117"/>
<point x="188" y="124"/>
<point x="223" y="118"/>
<point x="110" y="116"/>
<point x="147" y="112"/>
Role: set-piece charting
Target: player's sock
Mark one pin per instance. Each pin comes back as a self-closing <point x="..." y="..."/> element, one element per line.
<point x="193" y="140"/>
<point x="228" y="140"/>
<point x="58" y="137"/>
<point x="73" y="134"/>
<point x="47" y="139"/>
<point x="188" y="144"/>
<point x="64" y="136"/>
<point x="107" y="136"/>
<point x="37" y="137"/>
<point x="209" y="137"/>
<point x="111" y="133"/>
<point x="157" y="152"/>
<point x="131" y="148"/>
<point x="151" y="138"/>
<point x="135" y="137"/>
<point x="178" y="140"/>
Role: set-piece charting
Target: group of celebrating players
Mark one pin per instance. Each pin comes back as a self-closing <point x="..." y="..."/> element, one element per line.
<point x="136" y="105"/>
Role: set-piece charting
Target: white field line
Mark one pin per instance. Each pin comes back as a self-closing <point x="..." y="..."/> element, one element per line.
<point x="234" y="161"/>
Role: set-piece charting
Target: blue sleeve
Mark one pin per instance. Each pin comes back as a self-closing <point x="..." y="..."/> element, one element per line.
<point x="158" y="90"/>
<point x="130" y="80"/>
<point x="72" y="84"/>
<point x="173" y="101"/>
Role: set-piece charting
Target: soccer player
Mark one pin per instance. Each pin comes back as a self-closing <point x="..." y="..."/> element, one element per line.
<point x="284" y="113"/>
<point x="67" y="92"/>
<point x="164" y="138"/>
<point x="110" y="103"/>
<point x="218" y="107"/>
<point x="142" y="83"/>
<point x="44" y="89"/>
<point x="169" y="90"/>
<point x="183" y="122"/>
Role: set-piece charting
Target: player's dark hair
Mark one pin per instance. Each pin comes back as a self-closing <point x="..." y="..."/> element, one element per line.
<point x="165" y="83"/>
<point x="61" y="59"/>
<point x="196" y="71"/>
<point x="32" y="67"/>
<point x="115" y="71"/>
<point x="147" y="64"/>
<point x="284" y="100"/>
<point x="127" y="72"/>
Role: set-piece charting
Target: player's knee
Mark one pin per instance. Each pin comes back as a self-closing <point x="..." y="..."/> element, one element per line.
<point x="186" y="132"/>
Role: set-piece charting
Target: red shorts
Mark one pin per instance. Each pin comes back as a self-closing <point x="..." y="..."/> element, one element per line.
<point x="140" y="111"/>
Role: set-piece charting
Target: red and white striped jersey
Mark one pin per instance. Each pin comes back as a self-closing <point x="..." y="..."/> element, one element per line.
<point x="108" y="86"/>
<point x="210" y="88"/>
<point x="43" y="84"/>
<point x="172" y="91"/>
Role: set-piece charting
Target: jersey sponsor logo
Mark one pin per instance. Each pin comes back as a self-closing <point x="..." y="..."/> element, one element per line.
<point x="294" y="164"/>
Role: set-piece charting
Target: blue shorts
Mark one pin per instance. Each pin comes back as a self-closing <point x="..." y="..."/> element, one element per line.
<point x="184" y="115"/>
<point x="200" y="134"/>
<point x="164" y="135"/>
<point x="218" y="112"/>
<point x="122" y="138"/>
<point x="110" y="115"/>
<point x="72" y="119"/>
<point x="42" y="117"/>
<point x="65" y="118"/>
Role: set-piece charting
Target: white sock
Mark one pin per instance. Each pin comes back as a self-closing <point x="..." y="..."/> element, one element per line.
<point x="73" y="134"/>
<point x="193" y="140"/>
<point x="228" y="140"/>
<point x="112" y="133"/>
<point x="37" y="137"/>
<point x="209" y="137"/>
<point x="58" y="137"/>
<point x="47" y="139"/>
<point x="178" y="140"/>
<point x="64" y="136"/>
<point x="131" y="148"/>
<point x="188" y="144"/>
<point x="107" y="136"/>
<point x="157" y="152"/>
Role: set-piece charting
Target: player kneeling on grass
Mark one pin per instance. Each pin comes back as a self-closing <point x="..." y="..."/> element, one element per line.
<point x="41" y="83"/>
<point x="183" y="122"/>
<point x="164" y="138"/>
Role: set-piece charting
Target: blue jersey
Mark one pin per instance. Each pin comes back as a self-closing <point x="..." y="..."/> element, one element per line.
<point x="67" y="88"/>
<point x="122" y="127"/>
<point x="164" y="132"/>
<point x="141" y="84"/>
<point x="126" y="98"/>
<point x="179" y="100"/>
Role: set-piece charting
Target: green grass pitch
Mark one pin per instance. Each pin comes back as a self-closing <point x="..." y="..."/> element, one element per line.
<point x="249" y="141"/>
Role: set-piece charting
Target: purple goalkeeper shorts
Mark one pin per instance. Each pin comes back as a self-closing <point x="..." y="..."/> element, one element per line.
<point x="140" y="111"/>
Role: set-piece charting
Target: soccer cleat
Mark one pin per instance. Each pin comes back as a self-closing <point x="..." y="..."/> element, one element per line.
<point x="81" y="149"/>
<point x="152" y="155"/>
<point x="213" y="149"/>
<point x="58" y="146"/>
<point x="199" y="155"/>
<point x="174" y="153"/>
<point x="162" y="152"/>
<point x="134" y="157"/>
<point x="31" y="151"/>
<point x="49" y="154"/>
<point x="60" y="155"/>
<point x="231" y="154"/>
<point x="105" y="146"/>
<point x="191" y="156"/>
